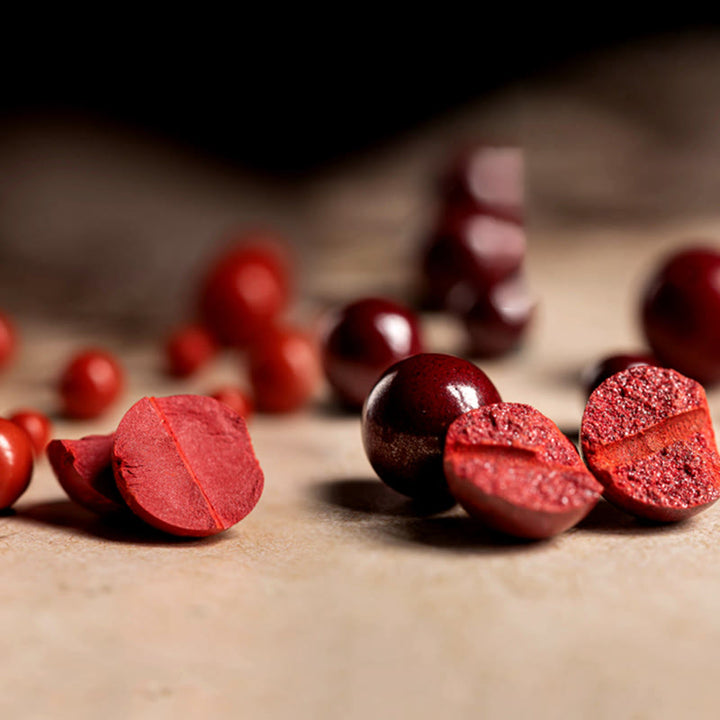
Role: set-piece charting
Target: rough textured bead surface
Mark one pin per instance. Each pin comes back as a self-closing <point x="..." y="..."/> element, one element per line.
<point x="647" y="436"/>
<point x="510" y="466"/>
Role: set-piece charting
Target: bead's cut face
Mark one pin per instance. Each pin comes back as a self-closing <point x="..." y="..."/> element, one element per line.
<point x="407" y="414"/>
<point x="681" y="314"/>
<point x="364" y="339"/>
<point x="595" y="375"/>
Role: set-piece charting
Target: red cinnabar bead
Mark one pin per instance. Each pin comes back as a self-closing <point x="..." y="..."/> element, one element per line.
<point x="510" y="466"/>
<point x="647" y="436"/>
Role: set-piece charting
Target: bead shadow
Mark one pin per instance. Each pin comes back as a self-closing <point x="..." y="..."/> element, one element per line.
<point x="460" y="534"/>
<point x="606" y="519"/>
<point x="366" y="496"/>
<point x="69" y="516"/>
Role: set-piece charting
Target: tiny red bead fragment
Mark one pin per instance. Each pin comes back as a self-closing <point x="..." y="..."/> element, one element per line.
<point x="407" y="414"/>
<point x="246" y="288"/>
<point x="363" y="339"/>
<point x="510" y="466"/>
<point x="285" y="370"/>
<point x="189" y="349"/>
<point x="16" y="462"/>
<point x="8" y="340"/>
<point x="681" y="313"/>
<point x="90" y="383"/>
<point x="36" y="425"/>
<point x="235" y="398"/>
<point x="648" y="437"/>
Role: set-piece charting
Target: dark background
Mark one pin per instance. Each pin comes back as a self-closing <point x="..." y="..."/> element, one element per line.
<point x="284" y="94"/>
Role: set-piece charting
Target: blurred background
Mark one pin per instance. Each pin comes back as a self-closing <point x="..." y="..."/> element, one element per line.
<point x="129" y="145"/>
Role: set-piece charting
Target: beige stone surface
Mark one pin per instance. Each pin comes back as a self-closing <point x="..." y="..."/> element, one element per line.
<point x="333" y="599"/>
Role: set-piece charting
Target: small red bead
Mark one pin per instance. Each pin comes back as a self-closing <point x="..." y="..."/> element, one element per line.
<point x="36" y="425"/>
<point x="8" y="340"/>
<point x="16" y="462"/>
<point x="246" y="288"/>
<point x="235" y="398"/>
<point x="188" y="349"/>
<point x="284" y="370"/>
<point x="90" y="383"/>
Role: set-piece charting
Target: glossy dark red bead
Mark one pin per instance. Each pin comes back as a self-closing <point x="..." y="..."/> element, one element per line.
<point x="466" y="256"/>
<point x="363" y="339"/>
<point x="8" y="340"/>
<point x="488" y="179"/>
<point x="681" y="313"/>
<point x="497" y="321"/>
<point x="407" y="414"/>
<point x="600" y="371"/>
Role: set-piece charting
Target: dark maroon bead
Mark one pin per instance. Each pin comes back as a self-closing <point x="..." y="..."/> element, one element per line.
<point x="467" y="255"/>
<point x="681" y="313"/>
<point x="407" y="414"/>
<point x="365" y="338"/>
<point x="487" y="179"/>
<point x="497" y="322"/>
<point x="597" y="373"/>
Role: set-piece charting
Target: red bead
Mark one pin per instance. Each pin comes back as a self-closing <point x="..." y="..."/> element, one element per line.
<point x="246" y="288"/>
<point x="235" y="398"/>
<point x="90" y="383"/>
<point x="188" y="349"/>
<point x="36" y="425"/>
<point x="511" y="467"/>
<point x="647" y="436"/>
<point x="284" y="370"/>
<point x="407" y="414"/>
<point x="466" y="256"/>
<point x="365" y="338"/>
<point x="497" y="321"/>
<point x="8" y="340"/>
<point x="16" y="462"/>
<point x="488" y="179"/>
<point x="681" y="313"/>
